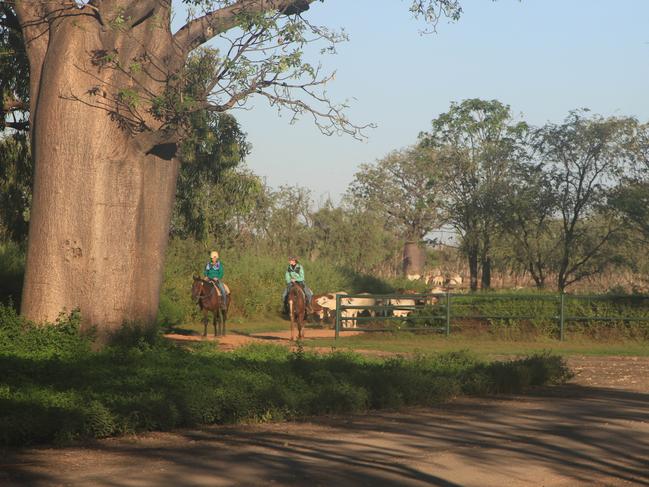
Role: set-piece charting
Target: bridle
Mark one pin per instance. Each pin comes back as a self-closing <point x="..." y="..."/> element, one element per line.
<point x="201" y="294"/>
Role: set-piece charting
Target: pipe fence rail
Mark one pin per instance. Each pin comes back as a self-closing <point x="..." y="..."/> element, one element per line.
<point x="441" y="311"/>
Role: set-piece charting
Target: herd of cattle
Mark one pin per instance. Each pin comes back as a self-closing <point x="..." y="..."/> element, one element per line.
<point x="364" y="304"/>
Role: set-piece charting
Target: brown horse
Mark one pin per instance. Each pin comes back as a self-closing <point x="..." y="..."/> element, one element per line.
<point x="205" y="295"/>
<point x="296" y="307"/>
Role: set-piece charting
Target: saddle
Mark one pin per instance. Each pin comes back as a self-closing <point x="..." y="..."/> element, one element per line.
<point x="216" y="288"/>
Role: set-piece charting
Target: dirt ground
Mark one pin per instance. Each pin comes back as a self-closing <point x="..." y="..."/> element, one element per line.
<point x="591" y="432"/>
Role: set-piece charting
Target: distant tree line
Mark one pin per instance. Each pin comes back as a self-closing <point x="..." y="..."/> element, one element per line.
<point x="565" y="200"/>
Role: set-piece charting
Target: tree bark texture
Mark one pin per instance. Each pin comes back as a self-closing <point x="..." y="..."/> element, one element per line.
<point x="414" y="259"/>
<point x="486" y="273"/>
<point x="101" y="206"/>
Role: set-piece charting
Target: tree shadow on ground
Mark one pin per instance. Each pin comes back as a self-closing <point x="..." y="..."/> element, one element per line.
<point x="581" y="435"/>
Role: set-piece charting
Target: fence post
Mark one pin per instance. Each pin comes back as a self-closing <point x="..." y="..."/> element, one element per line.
<point x="337" y="316"/>
<point x="448" y="313"/>
<point x="562" y="315"/>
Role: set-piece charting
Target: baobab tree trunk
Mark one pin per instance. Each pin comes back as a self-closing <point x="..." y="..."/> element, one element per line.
<point x="101" y="207"/>
<point x="413" y="259"/>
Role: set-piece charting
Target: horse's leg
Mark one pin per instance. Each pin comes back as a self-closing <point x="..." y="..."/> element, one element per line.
<point x="214" y="320"/>
<point x="300" y="333"/>
<point x="224" y="317"/>
<point x="300" y="323"/>
<point x="205" y="319"/>
<point x="290" y="314"/>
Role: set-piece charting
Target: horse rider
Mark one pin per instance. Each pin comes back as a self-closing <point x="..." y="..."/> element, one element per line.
<point x="214" y="273"/>
<point x="295" y="274"/>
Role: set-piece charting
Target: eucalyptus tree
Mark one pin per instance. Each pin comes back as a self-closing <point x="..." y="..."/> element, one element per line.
<point x="15" y="160"/>
<point x="477" y="143"/>
<point x="107" y="111"/>
<point x="529" y="217"/>
<point x="357" y="239"/>
<point x="631" y="197"/>
<point x="587" y="158"/>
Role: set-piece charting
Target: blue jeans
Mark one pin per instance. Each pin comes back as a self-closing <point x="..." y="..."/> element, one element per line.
<point x="224" y="296"/>
<point x="303" y="285"/>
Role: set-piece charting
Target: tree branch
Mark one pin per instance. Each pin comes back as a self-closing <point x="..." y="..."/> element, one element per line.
<point x="202" y="29"/>
<point x="32" y="17"/>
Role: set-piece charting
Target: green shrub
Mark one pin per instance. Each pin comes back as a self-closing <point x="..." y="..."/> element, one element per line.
<point x="47" y="397"/>
<point x="12" y="270"/>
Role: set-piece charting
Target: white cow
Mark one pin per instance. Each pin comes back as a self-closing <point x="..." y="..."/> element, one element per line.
<point x="401" y="313"/>
<point x="354" y="313"/>
<point x="326" y="303"/>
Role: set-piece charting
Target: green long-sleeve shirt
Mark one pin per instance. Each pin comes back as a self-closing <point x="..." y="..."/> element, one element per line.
<point x="214" y="271"/>
<point x="294" y="273"/>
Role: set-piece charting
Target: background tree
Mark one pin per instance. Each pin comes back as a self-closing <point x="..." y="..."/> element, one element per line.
<point x="357" y="239"/>
<point x="212" y="148"/>
<point x="529" y="219"/>
<point x="108" y="109"/>
<point x="14" y="73"/>
<point x="15" y="159"/>
<point x="15" y="186"/>
<point x="586" y="159"/>
<point x="403" y="187"/>
<point x="631" y="197"/>
<point x="477" y="142"/>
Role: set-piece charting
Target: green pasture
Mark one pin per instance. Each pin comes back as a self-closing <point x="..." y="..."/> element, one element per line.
<point x="483" y="346"/>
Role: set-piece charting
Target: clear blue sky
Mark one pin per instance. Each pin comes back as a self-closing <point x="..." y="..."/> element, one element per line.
<point x="542" y="57"/>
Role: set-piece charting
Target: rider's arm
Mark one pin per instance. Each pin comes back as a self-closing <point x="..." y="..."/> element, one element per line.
<point x="301" y="274"/>
<point x="287" y="277"/>
<point x="207" y="267"/>
<point x="219" y="272"/>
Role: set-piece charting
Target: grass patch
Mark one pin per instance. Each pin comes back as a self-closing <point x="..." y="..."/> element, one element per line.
<point x="485" y="346"/>
<point x="54" y="388"/>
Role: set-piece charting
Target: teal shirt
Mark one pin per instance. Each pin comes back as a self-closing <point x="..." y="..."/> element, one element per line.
<point x="294" y="273"/>
<point x="214" y="271"/>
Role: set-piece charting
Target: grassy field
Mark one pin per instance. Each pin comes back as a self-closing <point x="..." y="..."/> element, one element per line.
<point x="485" y="345"/>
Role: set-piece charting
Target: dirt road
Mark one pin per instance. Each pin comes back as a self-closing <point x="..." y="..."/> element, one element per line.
<point x="594" y="431"/>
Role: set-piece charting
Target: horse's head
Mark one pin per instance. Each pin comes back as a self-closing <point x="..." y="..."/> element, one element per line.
<point x="197" y="288"/>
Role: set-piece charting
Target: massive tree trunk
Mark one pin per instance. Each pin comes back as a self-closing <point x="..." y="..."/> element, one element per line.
<point x="100" y="216"/>
<point x="101" y="206"/>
